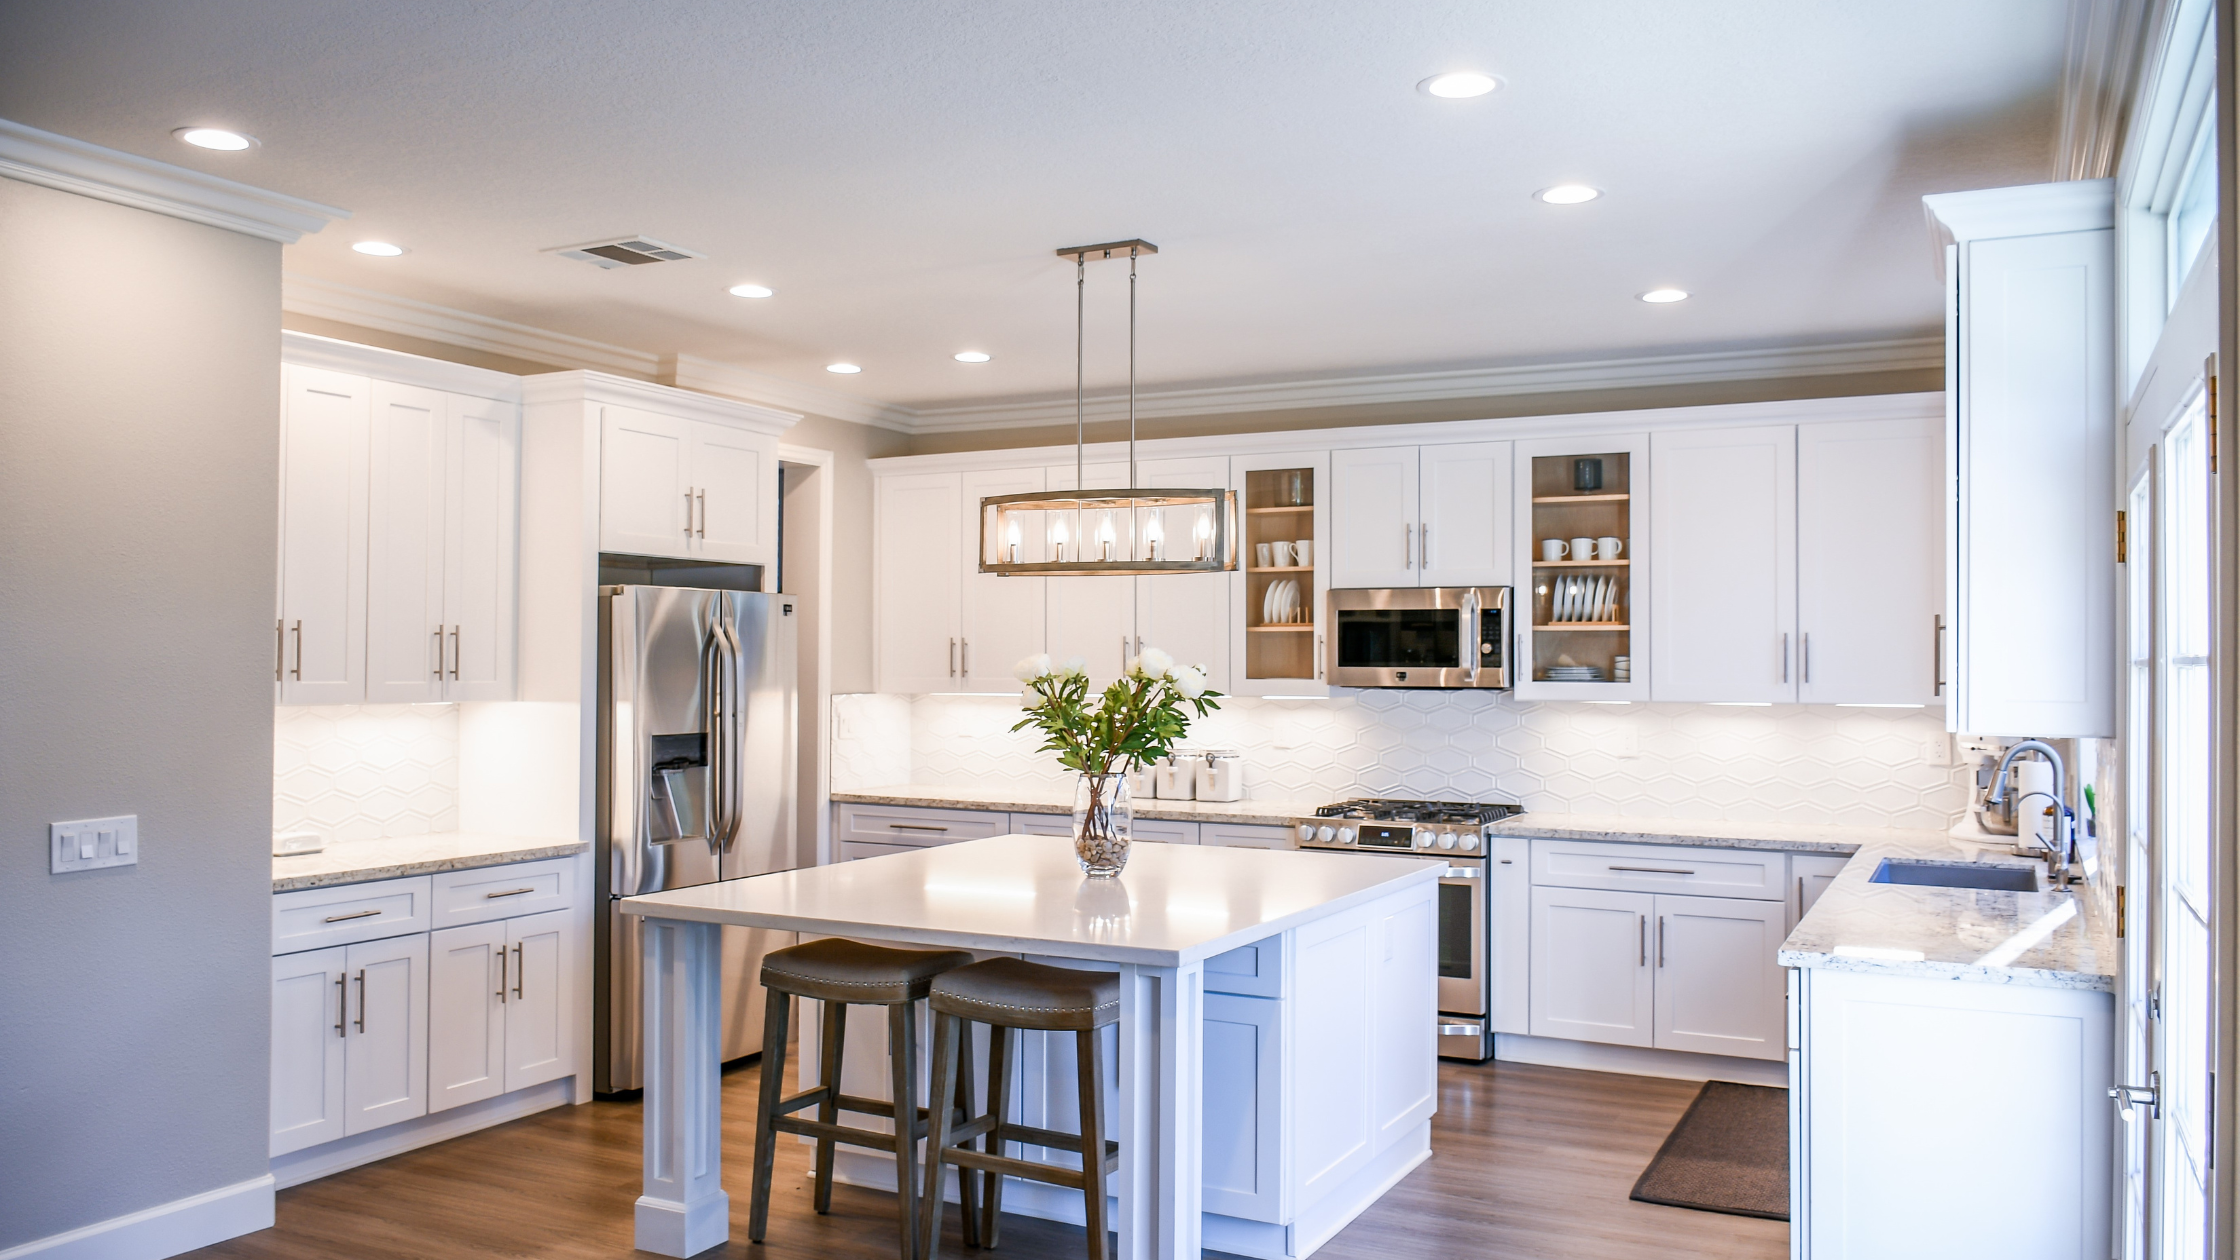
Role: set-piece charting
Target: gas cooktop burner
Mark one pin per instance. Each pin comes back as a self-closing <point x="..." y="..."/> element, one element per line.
<point x="1449" y="813"/>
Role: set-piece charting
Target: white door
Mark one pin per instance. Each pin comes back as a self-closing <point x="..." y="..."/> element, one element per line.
<point x="481" y="524"/>
<point x="1591" y="978"/>
<point x="406" y="648"/>
<point x="307" y="1040"/>
<point x="1870" y="561"/>
<point x="1373" y="518"/>
<point x="1001" y="617"/>
<point x="915" y="588"/>
<point x="643" y="505"/>
<point x="1719" y="990"/>
<point x="1094" y="618"/>
<point x="2135" y="1140"/>
<point x="322" y="621"/>
<point x="734" y="473"/>
<point x="466" y="1014"/>
<point x="1464" y="535"/>
<point x="1723" y="521"/>
<point x="1187" y="614"/>
<point x="1242" y="1132"/>
<point x="385" y="1076"/>
<point x="540" y="1002"/>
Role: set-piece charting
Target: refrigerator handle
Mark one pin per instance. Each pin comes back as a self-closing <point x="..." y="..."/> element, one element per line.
<point x="712" y="713"/>
<point x="726" y="717"/>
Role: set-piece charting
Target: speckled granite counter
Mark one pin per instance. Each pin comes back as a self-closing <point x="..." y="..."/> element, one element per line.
<point x="929" y="796"/>
<point x="1785" y="837"/>
<point x="355" y="861"/>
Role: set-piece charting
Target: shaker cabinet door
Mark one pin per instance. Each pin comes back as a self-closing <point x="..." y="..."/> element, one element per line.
<point x="1464" y="537"/>
<point x="466" y="1014"/>
<point x="642" y="484"/>
<point x="1373" y="518"/>
<point x="386" y="1045"/>
<point x="1723" y="516"/>
<point x="308" y="1028"/>
<point x="1870" y="561"/>
<point x="1186" y="614"/>
<point x="1591" y="978"/>
<point x="1001" y="617"/>
<point x="406" y="647"/>
<point x="319" y="641"/>
<point x="541" y="999"/>
<point x="916" y="593"/>
<point x="733" y="474"/>
<point x="480" y="548"/>
<point x="1719" y="990"/>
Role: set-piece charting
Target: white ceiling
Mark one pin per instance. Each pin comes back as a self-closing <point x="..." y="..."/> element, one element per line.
<point x="901" y="172"/>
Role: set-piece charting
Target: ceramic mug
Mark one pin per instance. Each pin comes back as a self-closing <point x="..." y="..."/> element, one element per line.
<point x="1282" y="553"/>
<point x="1302" y="552"/>
<point x="1609" y="548"/>
<point x="1582" y="548"/>
<point x="1553" y="550"/>
<point x="1260" y="553"/>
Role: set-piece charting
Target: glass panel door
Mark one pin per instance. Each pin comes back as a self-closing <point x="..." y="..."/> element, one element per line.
<point x="2135" y="903"/>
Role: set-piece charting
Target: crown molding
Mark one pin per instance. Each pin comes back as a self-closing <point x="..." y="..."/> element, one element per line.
<point x="687" y="371"/>
<point x="599" y="388"/>
<point x="349" y="304"/>
<point x="2106" y="41"/>
<point x="73" y="166"/>
<point x="306" y="350"/>
<point x="2076" y="205"/>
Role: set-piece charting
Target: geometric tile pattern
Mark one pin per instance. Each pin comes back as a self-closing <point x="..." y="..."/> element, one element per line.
<point x="870" y="740"/>
<point x="1814" y="764"/>
<point x="366" y="771"/>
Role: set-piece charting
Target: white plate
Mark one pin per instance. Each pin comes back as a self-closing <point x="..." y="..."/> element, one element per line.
<point x="1268" y="605"/>
<point x="1290" y="600"/>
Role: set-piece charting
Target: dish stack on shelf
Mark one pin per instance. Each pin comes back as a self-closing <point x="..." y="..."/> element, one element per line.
<point x="1584" y="599"/>
<point x="1582" y="519"/>
<point x="1281" y="606"/>
<point x="1575" y="673"/>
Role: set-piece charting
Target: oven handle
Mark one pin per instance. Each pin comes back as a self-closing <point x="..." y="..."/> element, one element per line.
<point x="1469" y="636"/>
<point x="1464" y="872"/>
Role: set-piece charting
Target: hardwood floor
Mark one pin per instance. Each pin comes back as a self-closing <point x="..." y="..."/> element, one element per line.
<point x="1529" y="1162"/>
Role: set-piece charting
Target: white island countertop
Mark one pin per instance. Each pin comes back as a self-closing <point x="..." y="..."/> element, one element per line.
<point x="1174" y="904"/>
<point x="356" y="861"/>
<point x="1258" y="812"/>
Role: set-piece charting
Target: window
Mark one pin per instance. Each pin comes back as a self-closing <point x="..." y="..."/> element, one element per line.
<point x="2193" y="213"/>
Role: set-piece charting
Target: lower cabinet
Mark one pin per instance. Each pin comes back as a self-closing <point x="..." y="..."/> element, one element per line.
<point x="500" y="1003"/>
<point x="1650" y="969"/>
<point x="1243" y="1118"/>
<point x="349" y="1040"/>
<point x="1811" y="873"/>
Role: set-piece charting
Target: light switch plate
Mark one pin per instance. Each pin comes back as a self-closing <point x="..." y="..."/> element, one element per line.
<point x="88" y="843"/>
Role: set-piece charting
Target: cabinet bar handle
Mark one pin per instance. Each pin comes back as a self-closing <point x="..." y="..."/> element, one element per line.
<point x="1784" y="656"/>
<point x="1408" y="547"/>
<point x="341" y="1005"/>
<point x="703" y="513"/>
<point x="511" y="892"/>
<point x="964" y="657"/>
<point x="520" y="969"/>
<point x="913" y="827"/>
<point x="454" y="653"/>
<point x="1800" y="896"/>
<point x="1936" y="654"/>
<point x="337" y="918"/>
<point x="439" y="653"/>
<point x="361" y="999"/>
<point x="298" y="671"/>
<point x="1650" y="870"/>
<point x="1660" y="940"/>
<point x="1644" y="938"/>
<point x="688" y="511"/>
<point x="1425" y="529"/>
<point x="1804" y="659"/>
<point x="501" y="975"/>
<point x="279" y="650"/>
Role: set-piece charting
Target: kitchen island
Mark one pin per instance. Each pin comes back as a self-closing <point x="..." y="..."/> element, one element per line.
<point x="1336" y="1061"/>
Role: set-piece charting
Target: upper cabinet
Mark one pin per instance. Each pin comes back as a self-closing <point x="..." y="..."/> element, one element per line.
<point x="1581" y="619"/>
<point x="1421" y="516"/>
<point x="1724" y="596"/>
<point x="917" y="558"/>
<point x="1276" y="634"/>
<point x="1870" y="561"/>
<point x="678" y="487"/>
<point x="2030" y="437"/>
<point x="320" y="633"/>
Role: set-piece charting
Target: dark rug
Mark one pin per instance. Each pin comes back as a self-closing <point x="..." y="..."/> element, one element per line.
<point x="1730" y="1154"/>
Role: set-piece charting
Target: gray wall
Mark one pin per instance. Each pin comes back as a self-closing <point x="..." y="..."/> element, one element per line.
<point x="139" y="447"/>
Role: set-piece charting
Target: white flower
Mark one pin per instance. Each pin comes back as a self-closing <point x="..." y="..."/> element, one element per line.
<point x="1189" y="681"/>
<point x="1033" y="667"/>
<point x="1075" y="667"/>
<point x="1153" y="664"/>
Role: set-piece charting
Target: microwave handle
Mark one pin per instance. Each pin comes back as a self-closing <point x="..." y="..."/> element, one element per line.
<point x="1469" y="636"/>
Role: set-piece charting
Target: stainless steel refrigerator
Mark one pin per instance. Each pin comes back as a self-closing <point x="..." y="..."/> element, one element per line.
<point x="696" y="784"/>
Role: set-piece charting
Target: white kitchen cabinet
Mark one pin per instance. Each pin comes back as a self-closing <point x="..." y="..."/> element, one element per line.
<point x="909" y="825"/>
<point x="1509" y="902"/>
<point x="1421" y="516"/>
<point x="541" y="1005"/>
<point x="481" y="552"/>
<point x="734" y="476"/>
<point x="1591" y="978"/>
<point x="918" y="554"/>
<point x="1551" y="631"/>
<point x="1093" y="618"/>
<point x="1870" y="561"/>
<point x="1000" y="619"/>
<point x="1243" y="1124"/>
<point x="385" y="1047"/>
<point x="1284" y="497"/>
<point x="1246" y="836"/>
<point x="1724" y="595"/>
<point x="319" y="634"/>
<point x="2031" y="411"/>
<point x="1042" y="824"/>
<point x="1810" y="874"/>
<point x="1162" y="831"/>
<point x="309" y="992"/>
<point x="1373" y="517"/>
<point x="466" y="1014"/>
<point x="1186" y="614"/>
<point x="1718" y="989"/>
<point x="684" y="488"/>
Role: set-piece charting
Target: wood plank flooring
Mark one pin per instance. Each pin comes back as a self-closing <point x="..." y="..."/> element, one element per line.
<point x="1529" y="1162"/>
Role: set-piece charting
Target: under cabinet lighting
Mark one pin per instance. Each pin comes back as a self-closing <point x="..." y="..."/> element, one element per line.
<point x="844" y="369"/>
<point x="1741" y="704"/>
<point x="1609" y="702"/>
<point x="216" y="138"/>
<point x="378" y="249"/>
<point x="1841" y="705"/>
<point x="749" y="291"/>
<point x="1460" y="85"/>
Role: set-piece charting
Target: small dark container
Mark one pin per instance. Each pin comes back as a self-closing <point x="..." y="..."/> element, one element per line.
<point x="1586" y="475"/>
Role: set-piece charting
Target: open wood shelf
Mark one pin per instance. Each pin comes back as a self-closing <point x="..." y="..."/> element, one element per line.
<point x="1580" y="498"/>
<point x="1580" y="564"/>
<point x="1279" y="568"/>
<point x="1299" y="627"/>
<point x="1554" y="626"/>
<point x="1274" y="511"/>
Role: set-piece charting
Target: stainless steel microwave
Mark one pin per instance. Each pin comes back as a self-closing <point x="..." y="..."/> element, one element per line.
<point x="1419" y="636"/>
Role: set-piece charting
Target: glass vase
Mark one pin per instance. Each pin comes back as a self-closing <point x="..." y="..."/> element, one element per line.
<point x="1103" y="823"/>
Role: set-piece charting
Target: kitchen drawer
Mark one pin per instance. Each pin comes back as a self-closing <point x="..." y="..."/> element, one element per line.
<point x="1246" y="836"/>
<point x="896" y="824"/>
<point x="854" y="850"/>
<point x="1042" y="824"/>
<point x="315" y="918"/>
<point x="1661" y="868"/>
<point x="503" y="892"/>
<point x="1254" y="970"/>
<point x="1161" y="831"/>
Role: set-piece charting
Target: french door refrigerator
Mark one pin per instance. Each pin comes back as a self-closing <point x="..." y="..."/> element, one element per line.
<point x="696" y="784"/>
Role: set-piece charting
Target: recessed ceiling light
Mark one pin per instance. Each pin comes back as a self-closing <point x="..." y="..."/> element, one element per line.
<point x="379" y="249"/>
<point x="1568" y="194"/>
<point x="844" y="369"/>
<point x="749" y="290"/>
<point x="1460" y="85"/>
<point x="214" y="138"/>
<point x="1662" y="296"/>
<point x="970" y="356"/>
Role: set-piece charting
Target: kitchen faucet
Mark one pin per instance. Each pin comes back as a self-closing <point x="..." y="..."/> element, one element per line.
<point x="2057" y="853"/>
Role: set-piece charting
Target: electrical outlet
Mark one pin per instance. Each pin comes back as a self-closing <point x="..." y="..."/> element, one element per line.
<point x="1623" y="742"/>
<point x="1937" y="751"/>
<point x="88" y="843"/>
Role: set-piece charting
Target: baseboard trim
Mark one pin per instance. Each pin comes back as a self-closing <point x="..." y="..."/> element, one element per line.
<point x="314" y="1162"/>
<point x="163" y="1230"/>
<point x="1678" y="1065"/>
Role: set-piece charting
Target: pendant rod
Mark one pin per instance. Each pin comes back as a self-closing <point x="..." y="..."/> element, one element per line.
<point x="1080" y="289"/>
<point x="1131" y="367"/>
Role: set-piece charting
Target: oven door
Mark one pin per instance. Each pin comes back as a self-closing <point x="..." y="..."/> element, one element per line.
<point x="1431" y="636"/>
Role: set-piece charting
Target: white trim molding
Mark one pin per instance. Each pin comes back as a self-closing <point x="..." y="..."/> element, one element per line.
<point x="2097" y="83"/>
<point x="306" y="350"/>
<point x="163" y="1230"/>
<point x="687" y="371"/>
<point x="621" y="391"/>
<point x="409" y="317"/>
<point x="74" y="166"/>
<point x="2076" y="205"/>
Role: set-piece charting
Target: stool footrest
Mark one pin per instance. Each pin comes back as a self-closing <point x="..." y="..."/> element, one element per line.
<point x="1048" y="1174"/>
<point x="1050" y="1138"/>
<point x="844" y="1133"/>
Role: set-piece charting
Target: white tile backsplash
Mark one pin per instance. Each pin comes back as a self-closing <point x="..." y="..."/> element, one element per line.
<point x="1792" y="763"/>
<point x="366" y="772"/>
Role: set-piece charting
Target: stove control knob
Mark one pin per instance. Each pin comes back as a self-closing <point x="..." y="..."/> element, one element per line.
<point x="1345" y="835"/>
<point x="1324" y="834"/>
<point x="1469" y="843"/>
<point x="1306" y="831"/>
<point x="1446" y="840"/>
<point x="1423" y="840"/>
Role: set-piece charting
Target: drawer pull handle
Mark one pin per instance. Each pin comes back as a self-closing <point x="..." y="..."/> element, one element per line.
<point x="361" y="999"/>
<point x="337" y="918"/>
<point x="520" y="968"/>
<point x="341" y="1004"/>
<point x="511" y="892"/>
<point x="912" y="827"/>
<point x="501" y="975"/>
<point x="1653" y="870"/>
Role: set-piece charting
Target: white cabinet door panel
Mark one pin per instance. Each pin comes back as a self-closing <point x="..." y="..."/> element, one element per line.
<point x="1186" y="614"/>
<point x="1042" y="824"/>
<point x="1334" y="1037"/>
<point x="466" y="1017"/>
<point x="1161" y="831"/>
<point x="735" y="473"/>
<point x="405" y="653"/>
<point x="1509" y="902"/>
<point x="916" y="582"/>
<point x="642" y="484"/>
<point x="1465" y="535"/>
<point x="1591" y="979"/>
<point x="1243" y="1159"/>
<point x="1809" y="876"/>
<point x="1723" y="519"/>
<point x="1373" y="517"/>
<point x="307" y="1049"/>
<point x="1001" y="617"/>
<point x="386" y="1049"/>
<point x="1093" y="618"/>
<point x="1719" y="990"/>
<point x="480" y="548"/>
<point x="1870" y="561"/>
<point x="541" y="998"/>
<point x="1404" y="1076"/>
<point x="325" y="421"/>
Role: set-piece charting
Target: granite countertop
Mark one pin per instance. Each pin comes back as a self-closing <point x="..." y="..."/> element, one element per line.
<point x="1265" y="813"/>
<point x="1786" y="837"/>
<point x="356" y="861"/>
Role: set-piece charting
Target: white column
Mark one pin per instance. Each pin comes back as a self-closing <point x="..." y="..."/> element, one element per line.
<point x="684" y="1210"/>
<point x="1162" y="1081"/>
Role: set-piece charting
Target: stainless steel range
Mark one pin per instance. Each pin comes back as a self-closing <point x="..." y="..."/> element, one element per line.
<point x="1454" y="832"/>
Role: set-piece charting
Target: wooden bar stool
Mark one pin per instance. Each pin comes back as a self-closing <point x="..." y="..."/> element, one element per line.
<point x="844" y="973"/>
<point x="1009" y="994"/>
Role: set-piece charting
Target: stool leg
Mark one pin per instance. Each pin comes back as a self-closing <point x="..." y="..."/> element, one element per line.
<point x="1089" y="1057"/>
<point x="773" y="1089"/>
<point x="940" y="1088"/>
<point x="1000" y="1049"/>
<point x="828" y="1111"/>
<point x="902" y="1054"/>
<point x="968" y="1180"/>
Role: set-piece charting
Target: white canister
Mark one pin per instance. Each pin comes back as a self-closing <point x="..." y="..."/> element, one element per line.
<point x="1177" y="781"/>
<point x="2032" y="786"/>
<point x="1143" y="783"/>
<point x="1220" y="775"/>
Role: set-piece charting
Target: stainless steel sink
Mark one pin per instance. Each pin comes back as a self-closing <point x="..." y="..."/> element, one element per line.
<point x="1956" y="875"/>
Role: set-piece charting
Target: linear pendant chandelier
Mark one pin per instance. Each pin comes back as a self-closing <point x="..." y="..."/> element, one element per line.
<point x="1116" y="533"/>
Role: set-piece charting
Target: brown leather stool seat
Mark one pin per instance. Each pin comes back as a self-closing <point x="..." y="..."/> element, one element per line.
<point x="1009" y="994"/>
<point x="843" y="973"/>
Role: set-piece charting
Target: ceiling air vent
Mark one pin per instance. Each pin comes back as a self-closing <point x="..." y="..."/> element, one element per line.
<point x="627" y="251"/>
